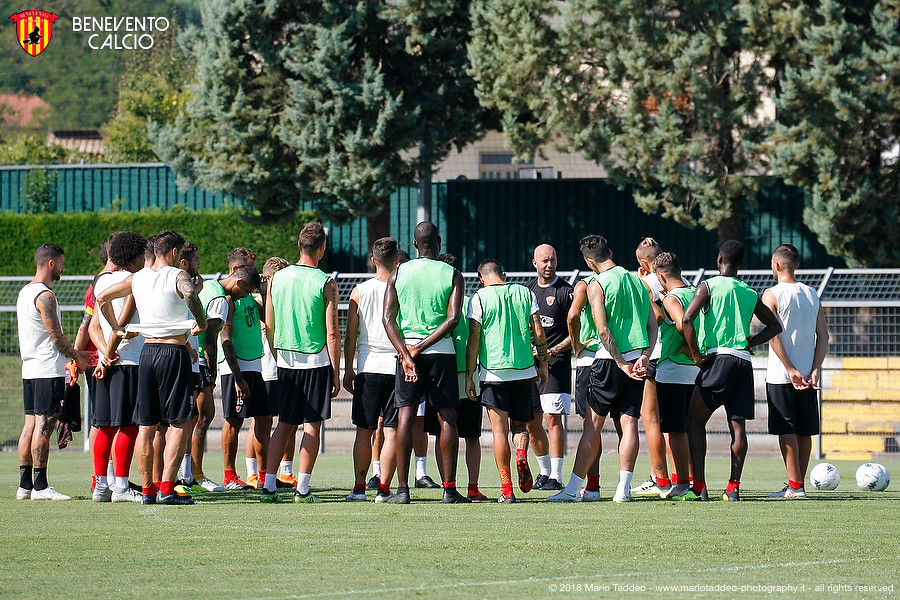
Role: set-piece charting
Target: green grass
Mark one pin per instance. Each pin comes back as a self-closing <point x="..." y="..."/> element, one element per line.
<point x="231" y="546"/>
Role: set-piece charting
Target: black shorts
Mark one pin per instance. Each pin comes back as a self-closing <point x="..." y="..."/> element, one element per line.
<point x="513" y="397"/>
<point x="257" y="405"/>
<point x="44" y="396"/>
<point x="437" y="382"/>
<point x="91" y="385"/>
<point x="582" y="390"/>
<point x="612" y="391"/>
<point x="558" y="382"/>
<point x="468" y="419"/>
<point x="305" y="395"/>
<point x="116" y="397"/>
<point x="673" y="400"/>
<point x="651" y="368"/>
<point x="792" y="411"/>
<point x="165" y="385"/>
<point x="272" y="391"/>
<point x="205" y="380"/>
<point x="373" y="397"/>
<point x="727" y="380"/>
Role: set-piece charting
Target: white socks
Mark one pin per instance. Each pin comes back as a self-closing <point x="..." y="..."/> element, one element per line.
<point x="186" y="473"/>
<point x="575" y="484"/>
<point x="302" y="482"/>
<point x="544" y="463"/>
<point x="556" y="468"/>
<point x="252" y="467"/>
<point x="287" y="467"/>
<point x="121" y="484"/>
<point x="421" y="471"/>
<point x="624" y="482"/>
<point x="270" y="482"/>
<point x="376" y="468"/>
<point x="110" y="471"/>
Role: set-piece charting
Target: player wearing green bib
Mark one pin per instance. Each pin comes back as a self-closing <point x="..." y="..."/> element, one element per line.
<point x="501" y="320"/>
<point x="302" y="328"/>
<point x="720" y="345"/>
<point x="627" y="331"/>
<point x="675" y="373"/>
<point x="421" y="307"/>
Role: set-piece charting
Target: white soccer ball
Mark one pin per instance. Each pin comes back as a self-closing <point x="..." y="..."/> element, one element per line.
<point x="872" y="476"/>
<point x="825" y="476"/>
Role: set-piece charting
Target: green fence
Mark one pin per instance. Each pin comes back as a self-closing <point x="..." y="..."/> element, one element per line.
<point x="479" y="218"/>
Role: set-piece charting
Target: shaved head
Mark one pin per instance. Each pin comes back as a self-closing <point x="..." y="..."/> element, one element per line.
<point x="543" y="250"/>
<point x="426" y="233"/>
<point x="545" y="263"/>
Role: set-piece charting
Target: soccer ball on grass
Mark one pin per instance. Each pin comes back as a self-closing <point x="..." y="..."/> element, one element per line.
<point x="825" y="476"/>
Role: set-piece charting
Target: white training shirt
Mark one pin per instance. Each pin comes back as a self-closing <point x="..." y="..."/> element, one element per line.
<point x="376" y="353"/>
<point x="216" y="309"/>
<point x="163" y="312"/>
<point x="798" y="311"/>
<point x="268" y="366"/>
<point x="129" y="350"/>
<point x="41" y="359"/>
<point x="476" y="312"/>
<point x="655" y="286"/>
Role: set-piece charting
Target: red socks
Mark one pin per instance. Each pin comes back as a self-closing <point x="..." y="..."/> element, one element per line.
<point x="102" y="448"/>
<point x="150" y="491"/>
<point x="167" y="488"/>
<point x="124" y="444"/>
<point x="473" y="489"/>
<point x="506" y="489"/>
<point x="521" y="453"/>
<point x="662" y="481"/>
<point x="699" y="486"/>
<point x="795" y="485"/>
<point x="230" y="475"/>
<point x="732" y="485"/>
<point x="449" y="485"/>
<point x="361" y="487"/>
<point x="593" y="482"/>
<point x="384" y="488"/>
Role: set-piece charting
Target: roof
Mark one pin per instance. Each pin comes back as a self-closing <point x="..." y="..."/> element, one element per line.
<point x="88" y="141"/>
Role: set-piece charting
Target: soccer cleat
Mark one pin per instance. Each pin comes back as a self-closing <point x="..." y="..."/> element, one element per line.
<point x="355" y="496"/>
<point x="267" y="497"/>
<point x="586" y="495"/>
<point x="550" y="485"/>
<point x="790" y="493"/>
<point x="101" y="494"/>
<point x="452" y="496"/>
<point x="427" y="483"/>
<point x="373" y="483"/>
<point x="401" y="497"/>
<point x="254" y="482"/>
<point x="175" y="499"/>
<point x="477" y="497"/>
<point x="650" y="488"/>
<point x="540" y="481"/>
<point x="211" y="486"/>
<point x="691" y="495"/>
<point x="504" y="499"/>
<point x="675" y="490"/>
<point x="186" y="488"/>
<point x="307" y="498"/>
<point x="23" y="494"/>
<point x="148" y="498"/>
<point x="525" y="481"/>
<point x="733" y="496"/>
<point x="48" y="493"/>
<point x="622" y="495"/>
<point x="285" y="481"/>
<point x="564" y="496"/>
<point x="129" y="495"/>
<point x="237" y="484"/>
<point x="382" y="497"/>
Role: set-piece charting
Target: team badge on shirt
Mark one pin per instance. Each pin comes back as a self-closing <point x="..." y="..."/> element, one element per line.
<point x="550" y="300"/>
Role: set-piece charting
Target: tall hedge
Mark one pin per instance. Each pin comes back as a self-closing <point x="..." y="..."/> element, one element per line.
<point x="215" y="232"/>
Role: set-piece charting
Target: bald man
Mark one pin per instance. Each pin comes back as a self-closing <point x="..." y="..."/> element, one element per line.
<point x="551" y="401"/>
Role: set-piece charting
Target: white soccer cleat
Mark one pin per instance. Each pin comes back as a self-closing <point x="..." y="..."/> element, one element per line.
<point x="129" y="495"/>
<point x="622" y="495"/>
<point x="650" y="488"/>
<point x="210" y="486"/>
<point x="48" y="493"/>
<point x="564" y="496"/>
<point x="23" y="494"/>
<point x="587" y="495"/>
<point x="356" y="496"/>
<point x="789" y="493"/>
<point x="101" y="494"/>
<point x="675" y="490"/>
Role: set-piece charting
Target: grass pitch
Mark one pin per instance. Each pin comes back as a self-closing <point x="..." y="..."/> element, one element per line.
<point x="231" y="546"/>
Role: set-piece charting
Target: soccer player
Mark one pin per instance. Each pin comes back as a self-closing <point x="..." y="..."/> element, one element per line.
<point x="658" y="482"/>
<point x="166" y="303"/>
<point x="421" y="309"/>
<point x="795" y="359"/>
<point x="231" y="310"/>
<point x="502" y="318"/>
<point x="117" y="382"/>
<point x="254" y="454"/>
<point x="302" y="322"/>
<point x="554" y="297"/>
<point x="675" y="373"/>
<point x="43" y="348"/>
<point x="627" y="331"/>
<point x="372" y="382"/>
<point x="720" y="346"/>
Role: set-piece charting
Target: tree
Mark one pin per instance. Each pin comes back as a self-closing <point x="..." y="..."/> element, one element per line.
<point x="328" y="100"/>
<point x="661" y="94"/>
<point x="839" y="126"/>
<point x="153" y="88"/>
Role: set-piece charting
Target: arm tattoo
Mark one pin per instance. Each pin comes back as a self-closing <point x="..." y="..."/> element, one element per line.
<point x="54" y="328"/>
<point x="186" y="289"/>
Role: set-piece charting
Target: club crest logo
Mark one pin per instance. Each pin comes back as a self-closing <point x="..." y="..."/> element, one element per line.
<point x="550" y="300"/>
<point x="34" y="28"/>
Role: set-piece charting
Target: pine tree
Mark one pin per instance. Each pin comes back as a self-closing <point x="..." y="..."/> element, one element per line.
<point x="839" y="126"/>
<point x="658" y="92"/>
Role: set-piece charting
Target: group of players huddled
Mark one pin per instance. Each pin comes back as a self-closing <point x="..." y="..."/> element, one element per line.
<point x="419" y="356"/>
